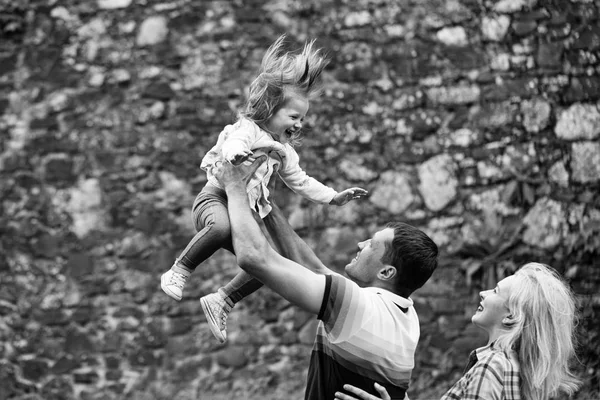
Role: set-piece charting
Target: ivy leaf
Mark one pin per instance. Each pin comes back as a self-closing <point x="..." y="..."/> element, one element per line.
<point x="474" y="250"/>
<point x="511" y="190"/>
<point x="528" y="194"/>
<point x="471" y="269"/>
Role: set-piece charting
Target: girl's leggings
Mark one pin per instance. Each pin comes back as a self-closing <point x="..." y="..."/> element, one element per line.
<point x="211" y="220"/>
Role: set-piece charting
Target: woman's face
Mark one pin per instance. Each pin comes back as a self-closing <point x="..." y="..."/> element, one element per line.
<point x="493" y="307"/>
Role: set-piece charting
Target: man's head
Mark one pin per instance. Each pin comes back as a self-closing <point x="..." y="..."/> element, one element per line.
<point x="400" y="258"/>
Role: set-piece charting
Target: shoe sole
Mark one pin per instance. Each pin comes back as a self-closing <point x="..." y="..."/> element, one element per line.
<point x="212" y="323"/>
<point x="163" y="286"/>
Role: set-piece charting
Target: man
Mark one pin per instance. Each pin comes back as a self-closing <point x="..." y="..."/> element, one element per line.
<point x="368" y="329"/>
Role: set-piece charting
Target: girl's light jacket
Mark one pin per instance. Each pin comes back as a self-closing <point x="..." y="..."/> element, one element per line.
<point x="245" y="134"/>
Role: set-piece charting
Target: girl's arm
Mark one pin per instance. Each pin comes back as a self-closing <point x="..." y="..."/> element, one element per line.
<point x="297" y="180"/>
<point x="347" y="195"/>
<point x="236" y="147"/>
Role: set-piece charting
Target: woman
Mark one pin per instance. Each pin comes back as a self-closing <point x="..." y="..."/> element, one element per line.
<point x="529" y="318"/>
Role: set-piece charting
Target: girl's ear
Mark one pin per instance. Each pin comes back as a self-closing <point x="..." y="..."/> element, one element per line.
<point x="387" y="273"/>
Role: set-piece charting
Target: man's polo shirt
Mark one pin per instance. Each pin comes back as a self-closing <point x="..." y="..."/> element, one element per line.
<point x="365" y="335"/>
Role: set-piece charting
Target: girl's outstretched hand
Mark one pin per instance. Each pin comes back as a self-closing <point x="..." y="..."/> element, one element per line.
<point x="361" y="394"/>
<point x="348" y="195"/>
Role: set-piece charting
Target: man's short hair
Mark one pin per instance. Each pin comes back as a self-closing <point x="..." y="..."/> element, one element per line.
<point x="412" y="253"/>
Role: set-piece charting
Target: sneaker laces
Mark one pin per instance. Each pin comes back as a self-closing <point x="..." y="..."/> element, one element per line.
<point x="177" y="279"/>
<point x="222" y="308"/>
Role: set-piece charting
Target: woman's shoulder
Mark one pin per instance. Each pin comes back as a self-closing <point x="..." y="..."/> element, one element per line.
<point x="498" y="360"/>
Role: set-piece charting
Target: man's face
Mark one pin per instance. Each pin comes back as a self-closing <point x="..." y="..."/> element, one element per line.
<point x="364" y="267"/>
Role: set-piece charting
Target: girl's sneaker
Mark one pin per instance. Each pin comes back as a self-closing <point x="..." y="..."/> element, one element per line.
<point x="172" y="283"/>
<point x="216" y="308"/>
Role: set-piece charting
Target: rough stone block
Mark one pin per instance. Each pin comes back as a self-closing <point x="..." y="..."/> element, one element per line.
<point x="495" y="28"/>
<point x="545" y="224"/>
<point x="536" y="114"/>
<point x="234" y="356"/>
<point x="582" y="88"/>
<point x="58" y="168"/>
<point x="34" y="369"/>
<point x="580" y="121"/>
<point x="455" y="95"/>
<point x="153" y="30"/>
<point x="549" y="55"/>
<point x="392" y="192"/>
<point x="588" y="39"/>
<point x="438" y="183"/>
<point x="585" y="162"/>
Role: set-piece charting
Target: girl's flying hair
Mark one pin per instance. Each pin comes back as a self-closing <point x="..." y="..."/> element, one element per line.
<point x="541" y="332"/>
<point x="283" y="74"/>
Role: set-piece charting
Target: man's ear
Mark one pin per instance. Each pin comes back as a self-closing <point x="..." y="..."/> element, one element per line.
<point x="387" y="273"/>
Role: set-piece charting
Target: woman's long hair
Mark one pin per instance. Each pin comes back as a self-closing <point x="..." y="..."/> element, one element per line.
<point x="541" y="327"/>
<point x="283" y="74"/>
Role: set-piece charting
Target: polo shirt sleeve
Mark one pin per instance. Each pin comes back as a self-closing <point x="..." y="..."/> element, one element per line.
<point x="344" y="306"/>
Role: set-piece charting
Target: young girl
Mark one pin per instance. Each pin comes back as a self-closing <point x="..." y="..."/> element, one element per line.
<point x="270" y="124"/>
<point x="529" y="318"/>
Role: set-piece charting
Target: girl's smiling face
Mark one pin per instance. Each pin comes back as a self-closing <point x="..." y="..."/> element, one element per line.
<point x="493" y="308"/>
<point x="288" y="118"/>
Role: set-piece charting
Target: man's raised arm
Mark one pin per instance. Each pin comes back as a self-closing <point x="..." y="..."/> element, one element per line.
<point x="290" y="245"/>
<point x="297" y="284"/>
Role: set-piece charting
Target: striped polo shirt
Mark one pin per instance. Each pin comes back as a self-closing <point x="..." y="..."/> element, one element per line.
<point x="365" y="335"/>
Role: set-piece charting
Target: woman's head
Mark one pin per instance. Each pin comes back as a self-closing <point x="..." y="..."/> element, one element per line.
<point x="285" y="79"/>
<point x="492" y="314"/>
<point x="534" y="314"/>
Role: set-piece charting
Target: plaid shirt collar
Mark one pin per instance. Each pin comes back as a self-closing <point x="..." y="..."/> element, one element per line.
<point x="481" y="352"/>
<point x="490" y="374"/>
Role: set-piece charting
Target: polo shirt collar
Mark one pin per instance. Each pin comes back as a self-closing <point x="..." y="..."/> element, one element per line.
<point x="398" y="300"/>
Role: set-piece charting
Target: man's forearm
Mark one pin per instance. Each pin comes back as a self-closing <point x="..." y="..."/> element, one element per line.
<point x="249" y="242"/>
<point x="295" y="283"/>
<point x="290" y="244"/>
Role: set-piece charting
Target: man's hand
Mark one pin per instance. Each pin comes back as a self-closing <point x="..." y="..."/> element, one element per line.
<point x="361" y="394"/>
<point x="239" y="157"/>
<point x="229" y="174"/>
<point x="276" y="147"/>
<point x="348" y="195"/>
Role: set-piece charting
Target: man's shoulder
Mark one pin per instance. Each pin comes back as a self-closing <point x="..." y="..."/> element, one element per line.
<point x="343" y="281"/>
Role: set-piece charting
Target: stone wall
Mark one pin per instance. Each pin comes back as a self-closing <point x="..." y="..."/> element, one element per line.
<point x="477" y="121"/>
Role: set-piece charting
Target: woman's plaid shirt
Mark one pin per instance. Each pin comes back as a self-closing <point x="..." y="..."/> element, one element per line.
<point x="490" y="375"/>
